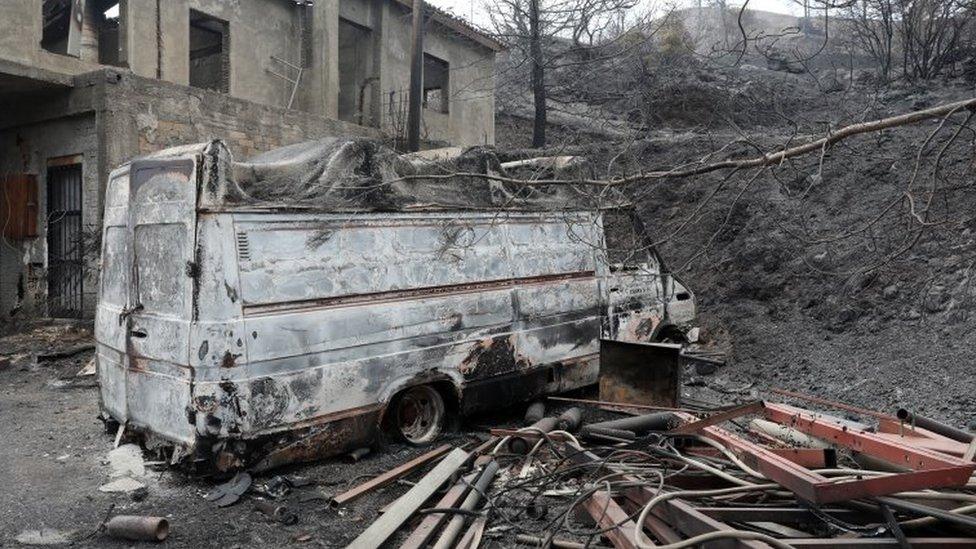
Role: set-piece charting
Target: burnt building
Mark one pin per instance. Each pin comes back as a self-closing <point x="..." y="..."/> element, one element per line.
<point x="89" y="84"/>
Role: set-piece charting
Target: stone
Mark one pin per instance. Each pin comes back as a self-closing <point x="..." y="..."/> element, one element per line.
<point x="43" y="536"/>
<point x="126" y="461"/>
<point x="122" y="485"/>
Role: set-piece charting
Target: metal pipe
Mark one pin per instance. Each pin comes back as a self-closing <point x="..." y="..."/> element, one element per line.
<point x="521" y="445"/>
<point x="137" y="528"/>
<point x="830" y="403"/>
<point x="967" y="522"/>
<point x="453" y="527"/>
<point x="657" y="421"/>
<point x="591" y="431"/>
<point x="536" y="541"/>
<point x="357" y="454"/>
<point x="570" y="420"/>
<point x="535" y="412"/>
<point x="279" y="513"/>
<point x="787" y="434"/>
<point x="937" y="427"/>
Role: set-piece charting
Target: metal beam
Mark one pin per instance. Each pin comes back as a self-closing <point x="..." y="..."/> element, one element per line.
<point x="408" y="503"/>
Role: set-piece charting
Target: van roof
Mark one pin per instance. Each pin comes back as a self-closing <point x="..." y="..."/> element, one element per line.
<point x="364" y="175"/>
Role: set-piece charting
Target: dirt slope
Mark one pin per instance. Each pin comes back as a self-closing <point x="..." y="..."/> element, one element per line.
<point x="778" y="286"/>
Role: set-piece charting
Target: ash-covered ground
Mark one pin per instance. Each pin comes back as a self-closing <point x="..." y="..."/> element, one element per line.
<point x="811" y="277"/>
<point x="55" y="458"/>
<point x="819" y="274"/>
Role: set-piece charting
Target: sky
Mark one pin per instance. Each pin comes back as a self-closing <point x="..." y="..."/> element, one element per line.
<point x="474" y="10"/>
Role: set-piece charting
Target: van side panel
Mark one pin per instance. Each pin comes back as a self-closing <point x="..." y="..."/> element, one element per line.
<point x="342" y="311"/>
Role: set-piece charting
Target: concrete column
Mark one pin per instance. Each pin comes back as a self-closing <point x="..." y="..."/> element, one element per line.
<point x="175" y="53"/>
<point x="89" y="34"/>
<point x="319" y="93"/>
<point x="140" y="36"/>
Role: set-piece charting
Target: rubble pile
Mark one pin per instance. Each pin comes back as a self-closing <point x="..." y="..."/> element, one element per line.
<point x="758" y="474"/>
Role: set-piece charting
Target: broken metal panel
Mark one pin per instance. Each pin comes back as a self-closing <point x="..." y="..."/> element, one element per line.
<point x="640" y="373"/>
<point x="76" y="28"/>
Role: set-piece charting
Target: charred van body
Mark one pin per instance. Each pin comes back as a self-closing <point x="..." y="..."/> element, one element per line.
<point x="255" y="314"/>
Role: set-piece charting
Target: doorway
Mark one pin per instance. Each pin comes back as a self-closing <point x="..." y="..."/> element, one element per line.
<point x="65" y="257"/>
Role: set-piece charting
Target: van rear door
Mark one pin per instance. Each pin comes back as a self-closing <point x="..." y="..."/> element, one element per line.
<point x="157" y="317"/>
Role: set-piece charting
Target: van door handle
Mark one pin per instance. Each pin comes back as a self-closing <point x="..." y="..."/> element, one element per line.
<point x="139" y="333"/>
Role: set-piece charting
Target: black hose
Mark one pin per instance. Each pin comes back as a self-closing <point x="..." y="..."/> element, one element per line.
<point x="938" y="427"/>
<point x="658" y="421"/>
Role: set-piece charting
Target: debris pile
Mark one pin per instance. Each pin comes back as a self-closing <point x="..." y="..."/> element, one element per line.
<point x="755" y="474"/>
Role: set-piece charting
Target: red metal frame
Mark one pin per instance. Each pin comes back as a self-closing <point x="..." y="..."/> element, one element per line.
<point x="895" y="452"/>
<point x="607" y="513"/>
<point x="931" y="469"/>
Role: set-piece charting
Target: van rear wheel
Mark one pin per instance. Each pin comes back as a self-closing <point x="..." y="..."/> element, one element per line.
<point x="419" y="414"/>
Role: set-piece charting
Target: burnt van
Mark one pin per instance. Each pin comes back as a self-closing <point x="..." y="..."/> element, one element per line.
<point x="290" y="307"/>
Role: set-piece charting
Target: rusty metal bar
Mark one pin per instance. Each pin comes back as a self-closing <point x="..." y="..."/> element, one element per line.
<point x="609" y="515"/>
<point x="390" y="476"/>
<point x="831" y="403"/>
<point x="471" y="501"/>
<point x="472" y="538"/>
<point x="408" y="503"/>
<point x="678" y="514"/>
<point x="811" y="458"/>
<point x="815" y="488"/>
<point x="904" y="455"/>
<point x="964" y="521"/>
<point x="422" y="533"/>
<point x="880" y="543"/>
<point x="536" y="541"/>
<point x="519" y="444"/>
<point x="599" y="403"/>
<point x="783" y="515"/>
<point x="661" y="530"/>
<point x="719" y="417"/>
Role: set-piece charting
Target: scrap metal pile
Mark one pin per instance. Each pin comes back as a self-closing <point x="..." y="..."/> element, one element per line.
<point x="759" y="474"/>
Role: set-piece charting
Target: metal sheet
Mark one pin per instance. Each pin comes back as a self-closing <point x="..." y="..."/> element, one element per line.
<point x="640" y="373"/>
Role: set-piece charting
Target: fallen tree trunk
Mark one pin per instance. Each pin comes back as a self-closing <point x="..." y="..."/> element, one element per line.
<point x="771" y="159"/>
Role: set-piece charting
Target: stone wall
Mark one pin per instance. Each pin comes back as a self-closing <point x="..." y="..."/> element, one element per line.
<point x="163" y="115"/>
<point x="111" y="117"/>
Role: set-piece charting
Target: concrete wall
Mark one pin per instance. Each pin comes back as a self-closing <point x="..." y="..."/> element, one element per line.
<point x="471" y="117"/>
<point x="27" y="149"/>
<point x="156" y="44"/>
<point x="111" y="117"/>
<point x="158" y="115"/>
<point x="21" y="28"/>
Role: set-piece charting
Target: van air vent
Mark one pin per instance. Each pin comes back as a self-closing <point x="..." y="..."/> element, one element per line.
<point x="243" y="247"/>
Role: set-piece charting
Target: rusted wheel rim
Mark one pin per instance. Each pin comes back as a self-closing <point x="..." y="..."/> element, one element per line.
<point x="420" y="414"/>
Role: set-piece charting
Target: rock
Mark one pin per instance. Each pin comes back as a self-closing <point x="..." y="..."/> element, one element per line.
<point x="122" y="485"/>
<point x="126" y="461"/>
<point x="139" y="494"/>
<point x="890" y="291"/>
<point x="705" y="368"/>
<point x="44" y="536"/>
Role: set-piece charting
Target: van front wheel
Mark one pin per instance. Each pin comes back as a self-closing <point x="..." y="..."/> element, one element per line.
<point x="418" y="415"/>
